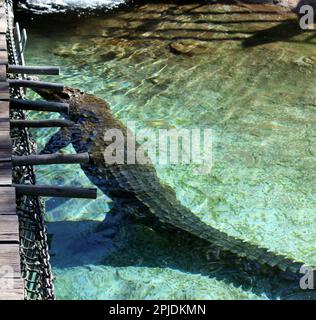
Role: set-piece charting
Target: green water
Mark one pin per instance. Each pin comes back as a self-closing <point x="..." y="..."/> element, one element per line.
<point x="185" y="67"/>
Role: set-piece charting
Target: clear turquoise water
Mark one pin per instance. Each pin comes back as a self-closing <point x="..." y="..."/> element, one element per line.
<point x="260" y="102"/>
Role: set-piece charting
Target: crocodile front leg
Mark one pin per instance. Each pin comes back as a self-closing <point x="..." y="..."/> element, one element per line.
<point x="58" y="141"/>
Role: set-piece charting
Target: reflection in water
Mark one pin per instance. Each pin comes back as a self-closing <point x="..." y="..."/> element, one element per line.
<point x="256" y="100"/>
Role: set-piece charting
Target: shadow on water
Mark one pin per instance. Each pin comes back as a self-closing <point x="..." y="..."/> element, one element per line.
<point x="282" y="32"/>
<point x="124" y="244"/>
<point x="285" y="30"/>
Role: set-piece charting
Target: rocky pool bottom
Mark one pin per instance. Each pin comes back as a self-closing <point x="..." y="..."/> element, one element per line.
<point x="247" y="72"/>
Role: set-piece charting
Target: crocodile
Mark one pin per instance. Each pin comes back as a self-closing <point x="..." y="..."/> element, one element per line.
<point x="136" y="189"/>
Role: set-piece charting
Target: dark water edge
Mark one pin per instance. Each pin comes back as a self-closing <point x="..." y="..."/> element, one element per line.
<point x="71" y="17"/>
<point x="128" y="4"/>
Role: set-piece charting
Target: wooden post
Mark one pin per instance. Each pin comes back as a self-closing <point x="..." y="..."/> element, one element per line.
<point x="50" y="123"/>
<point x="52" y="191"/>
<point x="46" y="159"/>
<point x="33" y="70"/>
<point x="36" y="84"/>
<point x="20" y="45"/>
<point x="39" y="105"/>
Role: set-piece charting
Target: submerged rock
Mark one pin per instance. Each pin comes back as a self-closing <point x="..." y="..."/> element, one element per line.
<point x="108" y="56"/>
<point x="185" y="48"/>
<point x="305" y="61"/>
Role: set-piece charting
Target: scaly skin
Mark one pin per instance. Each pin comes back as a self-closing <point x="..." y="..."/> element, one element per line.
<point x="136" y="188"/>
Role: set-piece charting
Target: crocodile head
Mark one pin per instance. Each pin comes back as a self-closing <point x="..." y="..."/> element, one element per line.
<point x="68" y="95"/>
<point x="80" y="103"/>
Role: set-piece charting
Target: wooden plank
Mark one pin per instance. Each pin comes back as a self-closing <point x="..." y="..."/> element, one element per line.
<point x="56" y="191"/>
<point x="4" y="90"/>
<point x="9" y="228"/>
<point x="14" y="293"/>
<point x="7" y="200"/>
<point x="5" y="144"/>
<point x="3" y="57"/>
<point x="46" y="159"/>
<point x="12" y="285"/>
<point x="36" y="84"/>
<point x="3" y="73"/>
<point x="50" y="123"/>
<point x="5" y="124"/>
<point x="5" y="174"/>
<point x="3" y="42"/>
<point x="4" y="109"/>
<point x="33" y="70"/>
<point x="3" y="23"/>
<point x="39" y="105"/>
<point x="10" y="256"/>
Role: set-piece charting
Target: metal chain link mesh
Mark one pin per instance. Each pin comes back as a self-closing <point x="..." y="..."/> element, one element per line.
<point x="35" y="259"/>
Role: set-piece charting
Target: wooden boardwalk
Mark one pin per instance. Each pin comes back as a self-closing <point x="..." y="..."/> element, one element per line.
<point x="11" y="283"/>
<point x="12" y="286"/>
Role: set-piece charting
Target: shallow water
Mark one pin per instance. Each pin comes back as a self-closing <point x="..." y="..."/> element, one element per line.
<point x="248" y="73"/>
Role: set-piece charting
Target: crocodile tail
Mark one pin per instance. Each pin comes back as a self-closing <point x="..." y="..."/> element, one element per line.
<point x="162" y="203"/>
